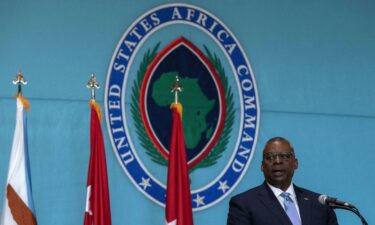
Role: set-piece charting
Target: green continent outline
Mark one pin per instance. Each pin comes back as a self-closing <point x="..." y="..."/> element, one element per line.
<point x="194" y="112"/>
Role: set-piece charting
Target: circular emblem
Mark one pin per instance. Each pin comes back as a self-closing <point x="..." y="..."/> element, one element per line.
<point x="219" y="98"/>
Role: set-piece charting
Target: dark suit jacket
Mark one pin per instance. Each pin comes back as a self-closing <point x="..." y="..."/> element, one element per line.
<point x="259" y="206"/>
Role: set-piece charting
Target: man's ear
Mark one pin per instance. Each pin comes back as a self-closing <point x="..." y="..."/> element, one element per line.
<point x="295" y="164"/>
<point x="262" y="167"/>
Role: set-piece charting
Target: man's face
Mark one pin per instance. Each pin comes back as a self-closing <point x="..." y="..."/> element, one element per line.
<point x="279" y="163"/>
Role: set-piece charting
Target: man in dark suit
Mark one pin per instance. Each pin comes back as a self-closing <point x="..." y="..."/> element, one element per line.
<point x="277" y="201"/>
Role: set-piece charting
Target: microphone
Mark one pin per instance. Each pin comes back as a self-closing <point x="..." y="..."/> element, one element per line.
<point x="337" y="204"/>
<point x="326" y="200"/>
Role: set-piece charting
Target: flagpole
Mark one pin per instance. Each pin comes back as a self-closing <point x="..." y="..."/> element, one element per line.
<point x="97" y="197"/>
<point x="93" y="84"/>
<point x="19" y="80"/>
<point x="178" y="212"/>
<point x="176" y="88"/>
<point x="18" y="207"/>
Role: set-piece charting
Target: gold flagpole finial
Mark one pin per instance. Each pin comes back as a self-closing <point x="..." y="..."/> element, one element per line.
<point x="93" y="83"/>
<point x="176" y="88"/>
<point x="19" y="80"/>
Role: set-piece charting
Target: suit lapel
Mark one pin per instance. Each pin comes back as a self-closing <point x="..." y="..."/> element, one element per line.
<point x="304" y="204"/>
<point x="267" y="197"/>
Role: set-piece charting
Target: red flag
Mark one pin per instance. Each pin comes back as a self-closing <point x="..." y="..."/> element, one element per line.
<point x="178" y="208"/>
<point x="98" y="210"/>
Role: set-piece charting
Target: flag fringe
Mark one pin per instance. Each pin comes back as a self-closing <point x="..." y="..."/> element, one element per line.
<point x="24" y="101"/>
<point x="178" y="107"/>
<point x="96" y="107"/>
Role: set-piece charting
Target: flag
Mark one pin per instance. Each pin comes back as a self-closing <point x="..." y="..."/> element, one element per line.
<point x="18" y="205"/>
<point x="98" y="211"/>
<point x="178" y="208"/>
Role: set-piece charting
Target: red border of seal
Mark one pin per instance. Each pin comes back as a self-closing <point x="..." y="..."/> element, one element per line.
<point x="145" y="83"/>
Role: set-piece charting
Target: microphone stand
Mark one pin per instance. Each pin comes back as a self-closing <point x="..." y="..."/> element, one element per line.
<point x="352" y="209"/>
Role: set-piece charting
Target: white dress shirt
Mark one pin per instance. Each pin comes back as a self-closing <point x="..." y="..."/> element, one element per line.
<point x="277" y="192"/>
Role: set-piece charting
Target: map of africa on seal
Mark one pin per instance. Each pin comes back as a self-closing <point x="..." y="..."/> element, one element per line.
<point x="219" y="98"/>
<point x="203" y="99"/>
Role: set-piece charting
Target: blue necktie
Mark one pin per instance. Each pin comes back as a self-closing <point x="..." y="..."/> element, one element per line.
<point x="290" y="209"/>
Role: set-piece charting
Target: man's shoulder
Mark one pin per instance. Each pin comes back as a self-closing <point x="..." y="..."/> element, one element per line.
<point x="304" y="191"/>
<point x="252" y="192"/>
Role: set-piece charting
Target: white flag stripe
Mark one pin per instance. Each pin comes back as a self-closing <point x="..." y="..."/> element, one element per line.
<point x="173" y="222"/>
<point x="88" y="195"/>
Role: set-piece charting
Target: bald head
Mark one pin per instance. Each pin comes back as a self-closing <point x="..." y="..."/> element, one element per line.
<point x="278" y="139"/>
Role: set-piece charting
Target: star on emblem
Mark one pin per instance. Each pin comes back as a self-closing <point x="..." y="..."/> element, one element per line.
<point x="199" y="200"/>
<point x="145" y="183"/>
<point x="223" y="186"/>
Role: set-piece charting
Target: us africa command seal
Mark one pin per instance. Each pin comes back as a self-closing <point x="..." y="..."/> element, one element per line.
<point x="221" y="107"/>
